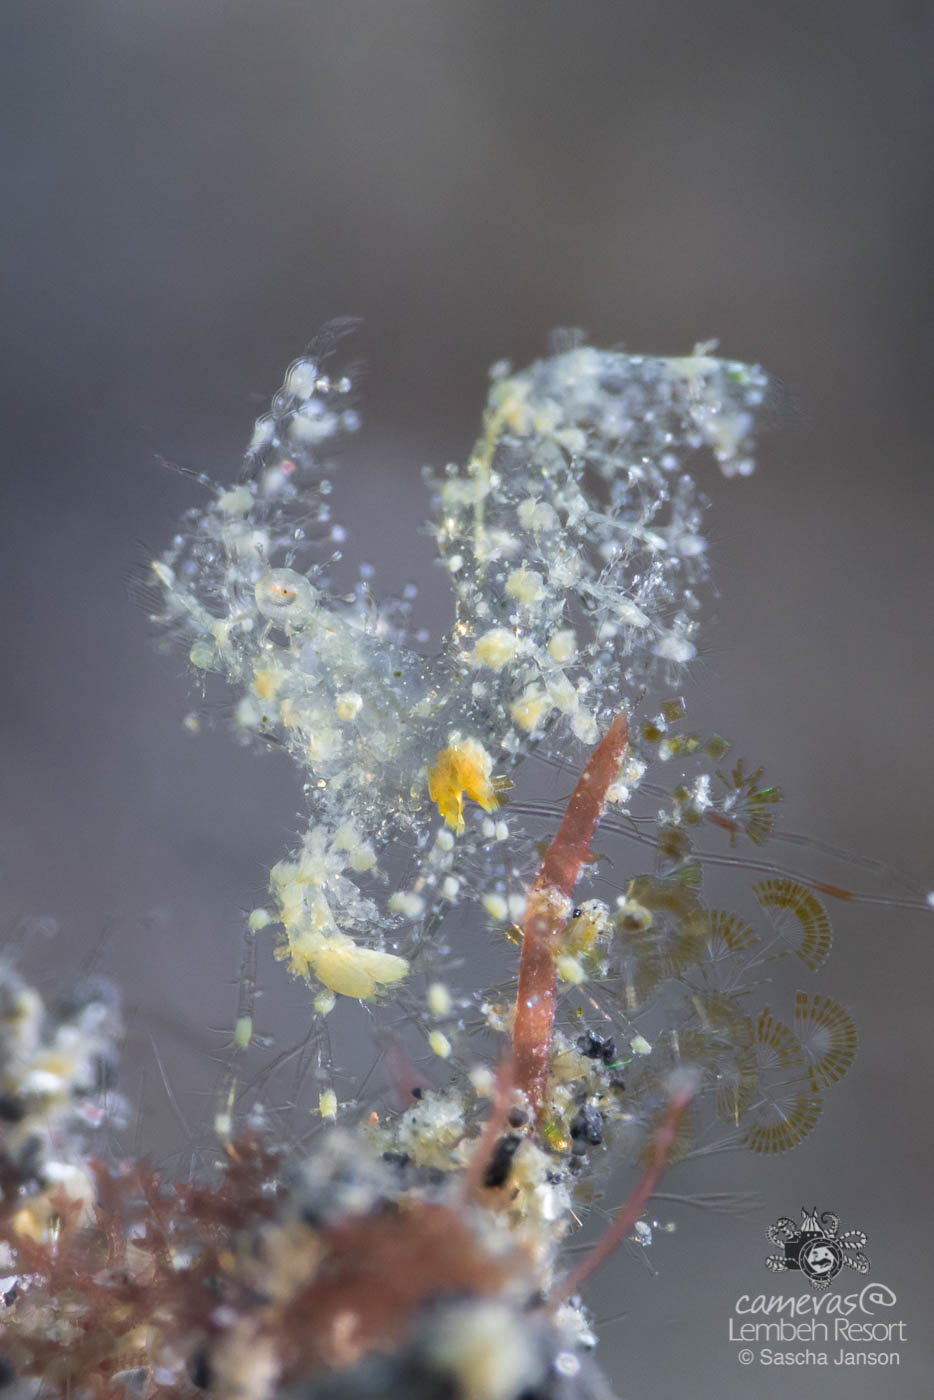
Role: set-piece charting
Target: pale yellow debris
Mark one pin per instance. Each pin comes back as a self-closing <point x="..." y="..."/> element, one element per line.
<point x="562" y="646"/>
<point x="348" y="705"/>
<point x="440" y="1045"/>
<point x="439" y="999"/>
<point x="526" y="586"/>
<point x="267" y="680"/>
<point x="495" y="647"/>
<point x="483" y="1081"/>
<point x="325" y="1002"/>
<point x="570" y="970"/>
<point x="531" y="708"/>
<point x="496" y="906"/>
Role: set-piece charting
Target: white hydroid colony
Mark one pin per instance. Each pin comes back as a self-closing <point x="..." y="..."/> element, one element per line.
<point x="572" y="542"/>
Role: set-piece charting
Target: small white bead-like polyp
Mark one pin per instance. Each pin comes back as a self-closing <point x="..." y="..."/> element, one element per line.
<point x="439" y="999"/>
<point x="408" y="903"/>
<point x="496" y="906"/>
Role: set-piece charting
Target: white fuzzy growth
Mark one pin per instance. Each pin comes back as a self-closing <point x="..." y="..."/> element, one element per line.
<point x="439" y="999"/>
<point x="674" y="648"/>
<point x="485" y="1349"/>
<point x="517" y="906"/>
<point x="584" y="726"/>
<point x="562" y="647"/>
<point x="325" y="1002"/>
<point x="237" y="501"/>
<point x="495" y="648"/>
<point x="327" y="1105"/>
<point x="531" y="709"/>
<point x="405" y="902"/>
<point x="348" y="704"/>
<point x="496" y="906"/>
<point x="570" y="970"/>
<point x="526" y="586"/>
<point x="483" y="1081"/>
<point x="439" y="1044"/>
<point x="431" y="1129"/>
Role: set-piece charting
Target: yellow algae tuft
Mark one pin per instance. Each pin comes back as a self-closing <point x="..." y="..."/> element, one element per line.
<point x="461" y="770"/>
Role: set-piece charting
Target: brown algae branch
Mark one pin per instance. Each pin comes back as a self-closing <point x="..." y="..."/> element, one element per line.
<point x="628" y="1214"/>
<point x="546" y="913"/>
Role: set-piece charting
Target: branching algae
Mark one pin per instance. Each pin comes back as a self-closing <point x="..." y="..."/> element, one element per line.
<point x="417" y="1252"/>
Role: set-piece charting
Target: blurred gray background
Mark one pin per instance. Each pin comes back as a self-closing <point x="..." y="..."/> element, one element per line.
<point x="189" y="192"/>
